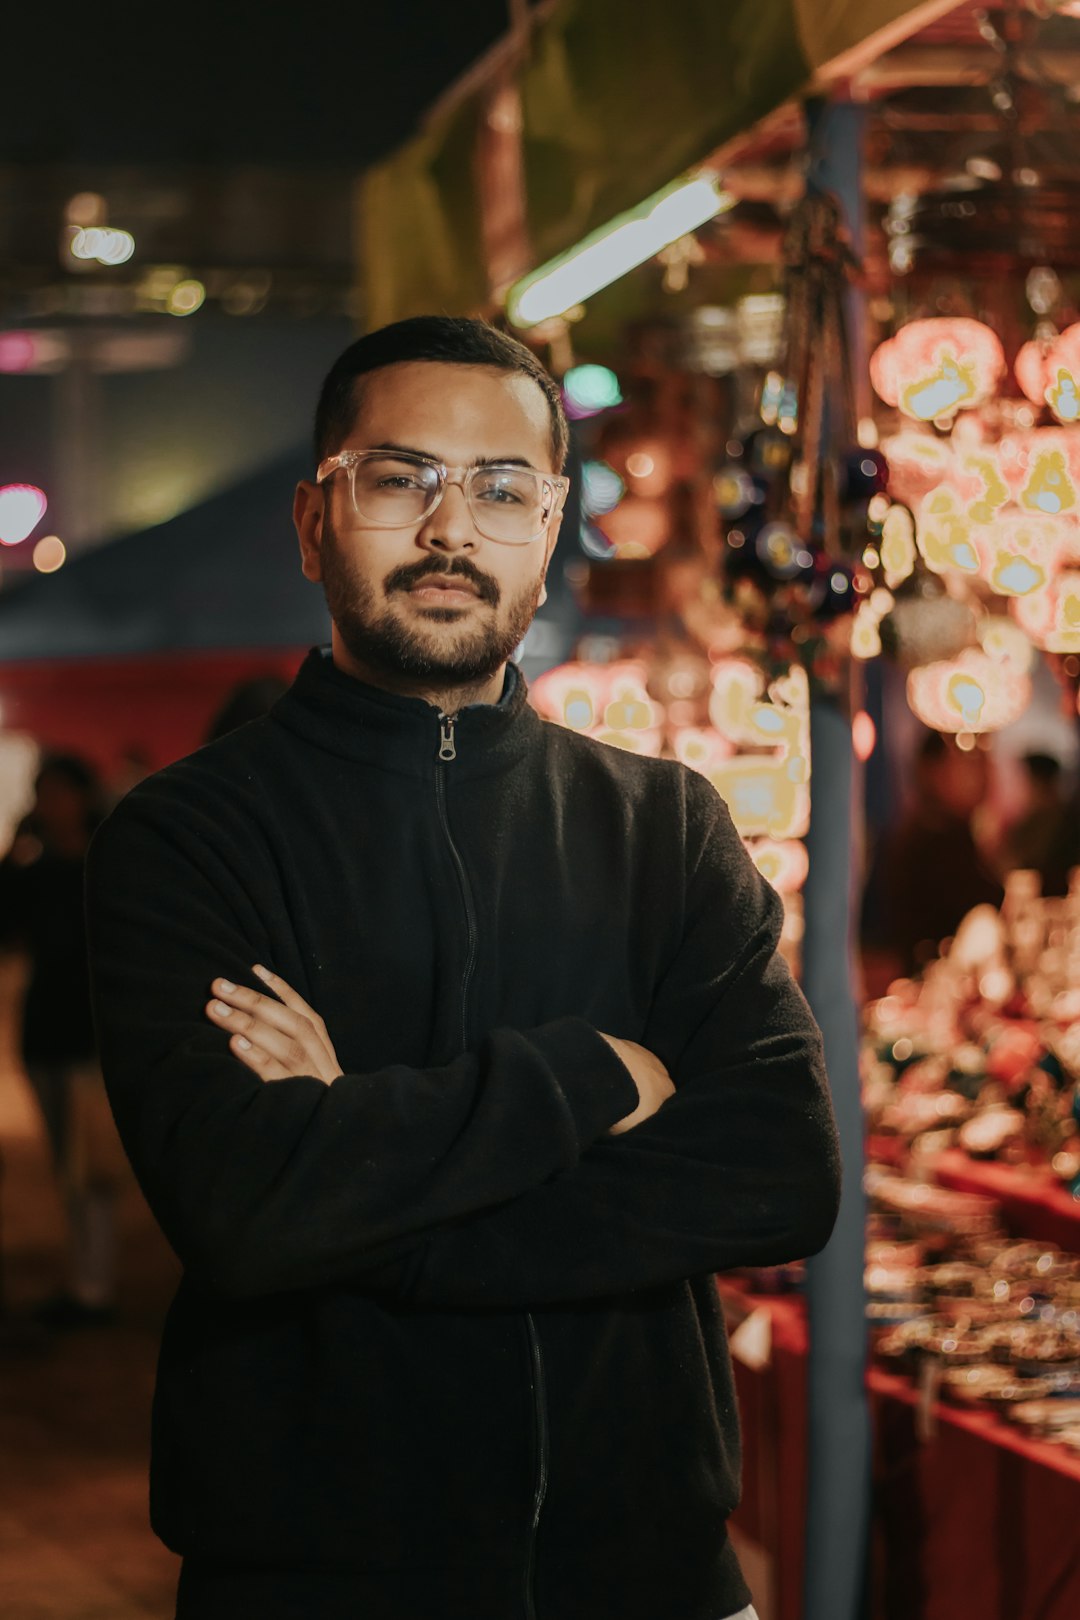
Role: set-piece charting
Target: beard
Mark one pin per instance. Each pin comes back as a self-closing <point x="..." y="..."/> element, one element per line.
<point x="377" y="638"/>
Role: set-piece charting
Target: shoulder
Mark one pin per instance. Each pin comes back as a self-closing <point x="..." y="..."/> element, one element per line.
<point x="638" y="775"/>
<point x="226" y="765"/>
<point x="665" y="794"/>
<point x="210" y="796"/>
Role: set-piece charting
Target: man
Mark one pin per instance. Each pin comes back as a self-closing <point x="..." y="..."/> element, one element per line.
<point x="454" y="1055"/>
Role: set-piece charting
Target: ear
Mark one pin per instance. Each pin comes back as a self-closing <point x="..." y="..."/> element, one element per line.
<point x="549" y="546"/>
<point x="308" y="518"/>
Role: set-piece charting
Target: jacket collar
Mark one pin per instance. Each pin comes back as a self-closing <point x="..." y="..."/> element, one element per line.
<point x="346" y="716"/>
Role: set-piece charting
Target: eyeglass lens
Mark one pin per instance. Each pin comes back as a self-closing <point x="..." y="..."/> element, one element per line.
<point x="507" y="503"/>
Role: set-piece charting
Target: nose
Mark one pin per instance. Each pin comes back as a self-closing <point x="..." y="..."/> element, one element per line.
<point x="450" y="528"/>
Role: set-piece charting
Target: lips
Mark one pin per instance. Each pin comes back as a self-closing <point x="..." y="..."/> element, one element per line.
<point x="441" y="582"/>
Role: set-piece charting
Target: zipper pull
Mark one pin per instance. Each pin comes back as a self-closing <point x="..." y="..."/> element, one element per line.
<point x="446" y="736"/>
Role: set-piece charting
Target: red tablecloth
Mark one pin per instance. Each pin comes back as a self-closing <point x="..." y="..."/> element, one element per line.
<point x="1033" y="1201"/>
<point x="772" y="1407"/>
<point x="976" y="1523"/>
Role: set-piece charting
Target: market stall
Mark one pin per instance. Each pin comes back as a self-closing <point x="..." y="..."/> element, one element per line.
<point x="829" y="496"/>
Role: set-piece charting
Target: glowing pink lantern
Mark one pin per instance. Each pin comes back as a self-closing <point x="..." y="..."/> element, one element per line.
<point x="932" y="369"/>
<point x="883" y="373"/>
<point x="1051" y="617"/>
<point x="22" y="507"/>
<point x="918" y="462"/>
<point x="1030" y="369"/>
<point x="605" y="701"/>
<point x="971" y="692"/>
<point x="784" y="863"/>
<point x="1049" y="373"/>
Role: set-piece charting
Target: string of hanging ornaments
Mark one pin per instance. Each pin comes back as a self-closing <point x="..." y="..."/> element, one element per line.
<point x="799" y="497"/>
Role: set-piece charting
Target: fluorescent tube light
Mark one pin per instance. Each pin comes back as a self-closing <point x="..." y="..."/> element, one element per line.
<point x="610" y="252"/>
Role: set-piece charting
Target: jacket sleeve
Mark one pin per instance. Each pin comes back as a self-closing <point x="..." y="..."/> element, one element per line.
<point x="269" y="1186"/>
<point x="740" y="1167"/>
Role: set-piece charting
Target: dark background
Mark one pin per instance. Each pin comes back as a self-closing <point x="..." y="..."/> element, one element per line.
<point x="238" y="83"/>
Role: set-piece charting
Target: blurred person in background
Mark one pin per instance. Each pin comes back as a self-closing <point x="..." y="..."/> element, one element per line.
<point x="42" y="921"/>
<point x="454" y="1054"/>
<point x="247" y="700"/>
<point x="928" y="871"/>
<point x="1044" y="836"/>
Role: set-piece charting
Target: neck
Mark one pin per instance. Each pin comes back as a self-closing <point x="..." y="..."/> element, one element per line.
<point x="447" y="699"/>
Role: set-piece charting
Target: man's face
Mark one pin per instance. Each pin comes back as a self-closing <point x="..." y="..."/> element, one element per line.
<point x="387" y="588"/>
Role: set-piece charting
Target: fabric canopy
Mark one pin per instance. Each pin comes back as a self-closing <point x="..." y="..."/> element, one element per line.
<point x="616" y="103"/>
<point x="223" y="575"/>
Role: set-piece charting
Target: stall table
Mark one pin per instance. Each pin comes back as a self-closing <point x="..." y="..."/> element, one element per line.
<point x="1033" y="1201"/>
<point x="977" y="1521"/>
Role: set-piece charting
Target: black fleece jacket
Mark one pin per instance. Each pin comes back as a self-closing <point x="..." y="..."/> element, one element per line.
<point x="444" y="1347"/>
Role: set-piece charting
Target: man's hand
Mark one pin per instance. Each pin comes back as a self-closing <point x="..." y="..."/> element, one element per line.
<point x="276" y="1035"/>
<point x="649" y="1075"/>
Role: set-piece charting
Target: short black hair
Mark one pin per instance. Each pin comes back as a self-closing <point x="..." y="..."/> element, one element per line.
<point x="448" y="339"/>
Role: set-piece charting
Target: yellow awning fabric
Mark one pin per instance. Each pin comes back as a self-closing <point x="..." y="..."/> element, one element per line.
<point x="617" y="101"/>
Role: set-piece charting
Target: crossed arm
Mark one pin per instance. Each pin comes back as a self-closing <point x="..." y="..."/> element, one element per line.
<point x="550" y="1164"/>
<point x="279" y="1036"/>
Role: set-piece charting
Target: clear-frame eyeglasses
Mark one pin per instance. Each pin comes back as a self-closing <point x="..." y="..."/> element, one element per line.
<point x="394" y="489"/>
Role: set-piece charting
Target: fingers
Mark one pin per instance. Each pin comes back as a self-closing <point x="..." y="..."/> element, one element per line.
<point x="269" y="1026"/>
<point x="237" y="1007"/>
<point x="258" y="1061"/>
<point x="287" y="994"/>
<point x="273" y="1036"/>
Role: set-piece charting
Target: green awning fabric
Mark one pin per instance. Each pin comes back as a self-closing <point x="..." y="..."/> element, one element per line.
<point x="617" y="101"/>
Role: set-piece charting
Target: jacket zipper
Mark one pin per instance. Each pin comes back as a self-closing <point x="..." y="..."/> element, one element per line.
<point x="447" y="749"/>
<point x="447" y="752"/>
<point x="540" y="1413"/>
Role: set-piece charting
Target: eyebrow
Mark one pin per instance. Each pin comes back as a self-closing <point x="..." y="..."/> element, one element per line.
<point x="477" y="461"/>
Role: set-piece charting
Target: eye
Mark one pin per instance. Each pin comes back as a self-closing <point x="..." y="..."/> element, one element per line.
<point x="500" y="495"/>
<point x="505" y="488"/>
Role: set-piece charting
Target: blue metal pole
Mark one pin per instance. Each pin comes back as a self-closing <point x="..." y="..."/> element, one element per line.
<point x="839" y="1443"/>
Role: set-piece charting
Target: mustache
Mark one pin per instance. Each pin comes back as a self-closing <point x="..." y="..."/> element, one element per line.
<point x="405" y="577"/>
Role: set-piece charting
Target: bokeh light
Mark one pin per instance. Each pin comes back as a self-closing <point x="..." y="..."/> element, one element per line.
<point x="589" y="389"/>
<point x="17" y="351"/>
<point x="50" y="553"/>
<point x="185" y="297"/>
<point x="601" y="488"/>
<point x="22" y="507"/>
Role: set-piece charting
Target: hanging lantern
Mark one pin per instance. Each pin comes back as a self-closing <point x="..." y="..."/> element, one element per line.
<point x="932" y="369"/>
<point x="1049" y="460"/>
<point x="605" y="701"/>
<point x="944" y="533"/>
<point x="897" y="545"/>
<point x="981" y="483"/>
<point x="768" y="794"/>
<point x="918" y="462"/>
<point x="971" y="692"/>
<point x="865" y="632"/>
<point x="701" y="748"/>
<point x="1051" y="616"/>
<point x="1049" y="373"/>
<point x="1004" y="641"/>
<point x="1016" y="554"/>
<point x="783" y="864"/>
